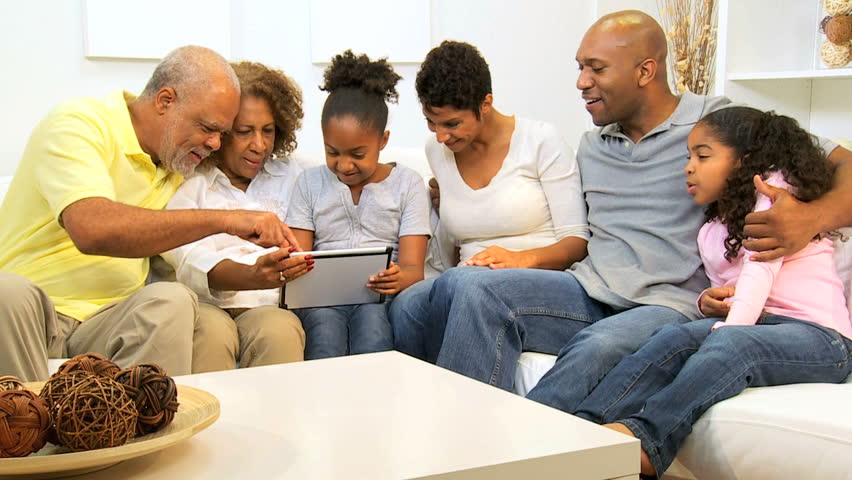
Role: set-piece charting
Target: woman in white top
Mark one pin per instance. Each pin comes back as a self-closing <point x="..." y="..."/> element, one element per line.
<point x="510" y="187"/>
<point x="236" y="281"/>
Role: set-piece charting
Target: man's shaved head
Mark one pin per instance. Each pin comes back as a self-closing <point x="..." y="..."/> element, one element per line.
<point x="636" y="31"/>
<point x="622" y="60"/>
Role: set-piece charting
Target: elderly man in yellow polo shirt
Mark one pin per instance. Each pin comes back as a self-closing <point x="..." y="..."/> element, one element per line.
<point x="84" y="212"/>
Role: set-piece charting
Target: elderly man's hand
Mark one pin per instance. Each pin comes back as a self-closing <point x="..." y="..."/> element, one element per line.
<point x="262" y="228"/>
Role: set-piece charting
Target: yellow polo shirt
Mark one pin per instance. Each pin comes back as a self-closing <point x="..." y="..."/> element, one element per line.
<point x="84" y="148"/>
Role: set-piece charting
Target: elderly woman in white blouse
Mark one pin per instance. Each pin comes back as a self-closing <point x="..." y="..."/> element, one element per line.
<point x="237" y="282"/>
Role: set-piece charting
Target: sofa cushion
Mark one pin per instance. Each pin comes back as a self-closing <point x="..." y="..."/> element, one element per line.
<point x="789" y="431"/>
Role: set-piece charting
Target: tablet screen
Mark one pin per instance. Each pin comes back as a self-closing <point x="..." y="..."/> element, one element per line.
<point x="339" y="278"/>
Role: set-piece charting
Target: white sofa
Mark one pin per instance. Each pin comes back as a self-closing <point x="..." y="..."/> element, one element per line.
<point x="793" y="431"/>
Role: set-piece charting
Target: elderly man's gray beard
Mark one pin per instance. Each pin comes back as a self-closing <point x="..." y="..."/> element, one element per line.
<point x="175" y="158"/>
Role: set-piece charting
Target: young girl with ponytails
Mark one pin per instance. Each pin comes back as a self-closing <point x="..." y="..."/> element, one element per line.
<point x="779" y="322"/>
<point x="355" y="201"/>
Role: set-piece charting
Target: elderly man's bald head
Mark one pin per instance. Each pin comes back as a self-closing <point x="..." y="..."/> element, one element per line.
<point x="635" y="31"/>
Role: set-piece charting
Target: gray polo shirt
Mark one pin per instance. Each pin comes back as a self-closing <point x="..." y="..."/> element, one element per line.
<point x="643" y="249"/>
<point x="395" y="207"/>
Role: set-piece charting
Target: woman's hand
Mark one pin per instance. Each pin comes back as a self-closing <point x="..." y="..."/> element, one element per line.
<point x="713" y="302"/>
<point x="386" y="282"/>
<point x="277" y="268"/>
<point x="498" y="257"/>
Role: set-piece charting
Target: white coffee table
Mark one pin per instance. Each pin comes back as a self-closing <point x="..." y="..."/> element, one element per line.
<point x="380" y="416"/>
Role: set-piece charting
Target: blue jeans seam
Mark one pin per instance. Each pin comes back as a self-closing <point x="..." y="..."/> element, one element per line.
<point x="632" y="383"/>
<point x="553" y="313"/>
<point x="624" y="392"/>
<point x="646" y="444"/>
<point x="501" y="334"/>
<point x="675" y="353"/>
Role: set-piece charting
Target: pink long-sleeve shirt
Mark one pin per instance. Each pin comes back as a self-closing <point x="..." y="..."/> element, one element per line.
<point x="804" y="285"/>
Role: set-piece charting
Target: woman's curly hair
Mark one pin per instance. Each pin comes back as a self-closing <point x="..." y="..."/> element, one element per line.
<point x="454" y="74"/>
<point x="763" y="142"/>
<point x="282" y="94"/>
<point x="359" y="87"/>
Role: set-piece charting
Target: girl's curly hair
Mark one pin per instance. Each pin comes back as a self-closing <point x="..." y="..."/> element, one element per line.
<point x="454" y="74"/>
<point x="359" y="87"/>
<point x="763" y="142"/>
<point x="282" y="94"/>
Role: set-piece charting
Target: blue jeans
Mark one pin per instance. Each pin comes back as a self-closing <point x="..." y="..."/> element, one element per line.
<point x="660" y="391"/>
<point x="409" y="318"/>
<point x="480" y="321"/>
<point x="348" y="330"/>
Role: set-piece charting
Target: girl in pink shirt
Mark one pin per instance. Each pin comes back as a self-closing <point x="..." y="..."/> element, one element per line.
<point x="785" y="321"/>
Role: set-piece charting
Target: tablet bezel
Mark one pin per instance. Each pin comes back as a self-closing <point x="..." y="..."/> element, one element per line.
<point x="349" y="252"/>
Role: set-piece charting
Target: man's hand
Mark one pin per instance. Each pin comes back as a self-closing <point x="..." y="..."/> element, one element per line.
<point x="386" y="282"/>
<point x="262" y="228"/>
<point x="498" y="257"/>
<point x="782" y="230"/>
<point x="713" y="302"/>
<point x="435" y="194"/>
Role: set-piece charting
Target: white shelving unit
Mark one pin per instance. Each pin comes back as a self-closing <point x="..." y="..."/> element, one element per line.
<point x="768" y="57"/>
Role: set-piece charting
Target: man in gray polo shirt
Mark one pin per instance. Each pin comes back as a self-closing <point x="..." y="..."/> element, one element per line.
<point x="643" y="269"/>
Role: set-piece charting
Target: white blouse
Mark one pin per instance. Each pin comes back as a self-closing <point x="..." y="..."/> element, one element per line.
<point x="533" y="201"/>
<point x="209" y="188"/>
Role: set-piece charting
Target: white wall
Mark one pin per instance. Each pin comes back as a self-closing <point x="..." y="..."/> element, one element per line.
<point x="609" y="6"/>
<point x="529" y="45"/>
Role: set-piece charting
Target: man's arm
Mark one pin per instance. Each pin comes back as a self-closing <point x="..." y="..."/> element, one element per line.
<point x="99" y="226"/>
<point x="790" y="224"/>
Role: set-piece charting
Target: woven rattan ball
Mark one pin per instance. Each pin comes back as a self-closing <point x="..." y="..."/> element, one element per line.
<point x="11" y="383"/>
<point x="89" y="362"/>
<point x="834" y="55"/>
<point x="838" y="7"/>
<point x="24" y="423"/>
<point x="153" y="392"/>
<point x="54" y="389"/>
<point x="95" y="413"/>
<point x="839" y="29"/>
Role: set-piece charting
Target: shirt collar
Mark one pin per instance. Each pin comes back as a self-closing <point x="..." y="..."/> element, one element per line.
<point x="119" y="114"/>
<point x="689" y="110"/>
<point x="212" y="174"/>
<point x="277" y="166"/>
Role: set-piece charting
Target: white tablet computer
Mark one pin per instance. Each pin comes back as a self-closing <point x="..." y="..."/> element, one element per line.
<point x="339" y="278"/>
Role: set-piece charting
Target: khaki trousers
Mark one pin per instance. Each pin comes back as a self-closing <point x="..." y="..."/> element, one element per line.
<point x="253" y="337"/>
<point x="157" y="324"/>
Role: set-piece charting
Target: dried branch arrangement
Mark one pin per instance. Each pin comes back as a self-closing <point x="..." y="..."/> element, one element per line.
<point x="690" y="27"/>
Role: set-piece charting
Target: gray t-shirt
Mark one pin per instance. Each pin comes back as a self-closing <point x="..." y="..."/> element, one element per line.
<point x="643" y="249"/>
<point x="395" y="207"/>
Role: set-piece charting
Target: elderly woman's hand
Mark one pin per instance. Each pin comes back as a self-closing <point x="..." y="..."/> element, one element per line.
<point x="277" y="268"/>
